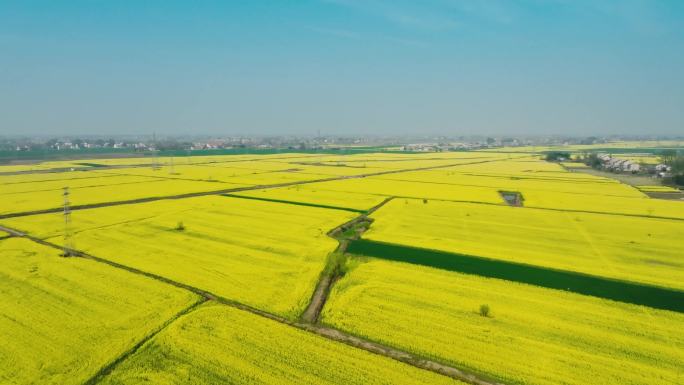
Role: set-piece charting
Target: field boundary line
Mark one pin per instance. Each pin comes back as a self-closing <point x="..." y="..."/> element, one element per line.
<point x="323" y="331"/>
<point x="105" y="370"/>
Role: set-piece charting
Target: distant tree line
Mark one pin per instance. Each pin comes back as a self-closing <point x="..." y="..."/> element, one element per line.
<point x="557" y="156"/>
<point x="675" y="160"/>
<point x="592" y="160"/>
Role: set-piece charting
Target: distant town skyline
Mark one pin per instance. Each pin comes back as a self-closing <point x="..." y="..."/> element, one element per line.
<point x="342" y="67"/>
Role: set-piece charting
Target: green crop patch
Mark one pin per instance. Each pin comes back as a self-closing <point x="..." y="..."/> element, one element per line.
<point x="629" y="292"/>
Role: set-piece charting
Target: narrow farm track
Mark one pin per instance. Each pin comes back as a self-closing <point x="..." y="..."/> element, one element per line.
<point x="330" y="276"/>
<point x="231" y="190"/>
<point x="323" y="331"/>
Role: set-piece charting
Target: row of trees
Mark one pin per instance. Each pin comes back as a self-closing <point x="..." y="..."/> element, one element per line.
<point x="675" y="160"/>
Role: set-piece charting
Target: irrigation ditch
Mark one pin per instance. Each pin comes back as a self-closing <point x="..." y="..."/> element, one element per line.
<point x="335" y="266"/>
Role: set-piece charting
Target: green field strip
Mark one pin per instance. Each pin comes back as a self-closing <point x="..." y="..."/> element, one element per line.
<point x="295" y="203"/>
<point x="616" y="290"/>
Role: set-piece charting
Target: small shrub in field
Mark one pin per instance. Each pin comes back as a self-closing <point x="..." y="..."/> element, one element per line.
<point x="180" y="226"/>
<point x="484" y="310"/>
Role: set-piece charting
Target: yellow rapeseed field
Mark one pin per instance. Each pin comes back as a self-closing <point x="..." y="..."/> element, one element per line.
<point x="217" y="344"/>
<point x="387" y="188"/>
<point x="94" y="180"/>
<point x="645" y="250"/>
<point x="565" y="183"/>
<point x="532" y="335"/>
<point x="63" y="319"/>
<point x="310" y="194"/>
<point x="643" y="206"/>
<point x="50" y="199"/>
<point x="267" y="255"/>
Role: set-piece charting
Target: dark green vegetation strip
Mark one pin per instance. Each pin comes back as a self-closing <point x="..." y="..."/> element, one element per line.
<point x="623" y="291"/>
<point x="295" y="203"/>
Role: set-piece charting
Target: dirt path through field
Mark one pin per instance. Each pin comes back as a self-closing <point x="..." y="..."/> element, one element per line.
<point x="323" y="331"/>
<point x="332" y="273"/>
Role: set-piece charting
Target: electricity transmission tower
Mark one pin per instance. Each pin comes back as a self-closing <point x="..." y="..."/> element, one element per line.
<point x="68" y="246"/>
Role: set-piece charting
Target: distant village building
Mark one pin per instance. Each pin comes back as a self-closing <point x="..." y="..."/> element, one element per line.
<point x="663" y="170"/>
<point x="619" y="165"/>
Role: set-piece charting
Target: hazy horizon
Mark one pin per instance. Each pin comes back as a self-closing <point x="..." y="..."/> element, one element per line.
<point x="342" y="67"/>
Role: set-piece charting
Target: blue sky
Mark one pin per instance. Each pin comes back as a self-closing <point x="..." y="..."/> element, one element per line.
<point x="342" y="67"/>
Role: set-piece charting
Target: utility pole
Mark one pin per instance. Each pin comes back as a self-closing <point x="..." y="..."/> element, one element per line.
<point x="68" y="246"/>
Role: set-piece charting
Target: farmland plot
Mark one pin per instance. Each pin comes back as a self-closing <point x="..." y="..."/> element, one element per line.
<point x="63" y="319"/>
<point x="94" y="180"/>
<point x="644" y="250"/>
<point x="52" y="199"/>
<point x="387" y="188"/>
<point x="312" y="195"/>
<point x="532" y="335"/>
<point x="644" y="206"/>
<point x="264" y="254"/>
<point x="564" y="182"/>
<point x="221" y="345"/>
